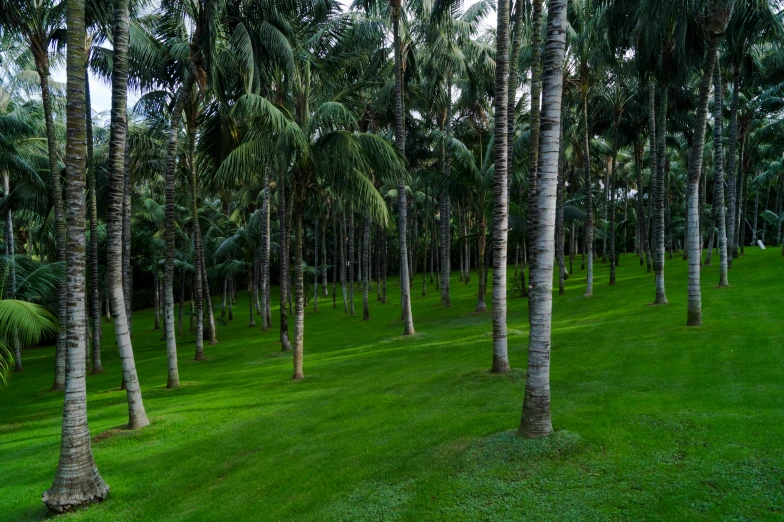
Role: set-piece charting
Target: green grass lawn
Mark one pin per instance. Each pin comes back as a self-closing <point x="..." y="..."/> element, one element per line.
<point x="653" y="420"/>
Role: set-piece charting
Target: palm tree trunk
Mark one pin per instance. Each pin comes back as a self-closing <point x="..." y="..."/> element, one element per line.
<point x="315" y="264"/>
<point x="156" y="305"/>
<point x="718" y="176"/>
<point x="77" y="481"/>
<point x="366" y="270"/>
<point x="284" y="261"/>
<point x="658" y="197"/>
<point x="343" y="261"/>
<point x="179" y="321"/>
<point x="536" y="91"/>
<point x="208" y="299"/>
<point x="500" y="192"/>
<point x="732" y="156"/>
<point x="588" y="193"/>
<point x="384" y="267"/>
<point x="198" y="257"/>
<point x="400" y="141"/>
<point x="299" y="291"/>
<point x="481" y="305"/>
<point x="127" y="274"/>
<point x="171" y="246"/>
<point x="694" y="315"/>
<point x="119" y="186"/>
<point x="559" y="219"/>
<point x="265" y="316"/>
<point x="42" y="65"/>
<point x="95" y="290"/>
<point x="351" y="261"/>
<point x="536" y="421"/>
<point x="611" y="211"/>
<point x="335" y="251"/>
<point x="10" y="252"/>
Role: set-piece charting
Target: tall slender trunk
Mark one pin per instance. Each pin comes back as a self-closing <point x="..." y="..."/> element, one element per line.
<point x="173" y="380"/>
<point x="299" y="291"/>
<point x="95" y="290"/>
<point x="658" y="197"/>
<point x="366" y="270"/>
<point x="536" y="91"/>
<point x="384" y="267"/>
<point x="127" y="273"/>
<point x="119" y="185"/>
<point x="611" y="211"/>
<point x="11" y="282"/>
<point x="588" y="193"/>
<point x="732" y="245"/>
<point x="559" y="216"/>
<point x="718" y="175"/>
<point x="42" y="66"/>
<point x="500" y="192"/>
<point x="351" y="260"/>
<point x="315" y="265"/>
<point x="400" y="141"/>
<point x="155" y="299"/>
<point x="343" y="261"/>
<point x="265" y="322"/>
<point x="198" y="258"/>
<point x="641" y="223"/>
<point x="77" y="481"/>
<point x="208" y="299"/>
<point x="536" y="420"/>
<point x="694" y="315"/>
<point x="179" y="321"/>
<point x="335" y="251"/>
<point x="284" y="261"/>
<point x="481" y="281"/>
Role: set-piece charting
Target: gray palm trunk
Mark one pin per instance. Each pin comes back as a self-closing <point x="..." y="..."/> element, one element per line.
<point x="299" y="292"/>
<point x="481" y="280"/>
<point x="335" y="252"/>
<point x="400" y="141"/>
<point x="559" y="219"/>
<point x="42" y="65"/>
<point x="536" y="420"/>
<point x="343" y="261"/>
<point x="265" y="323"/>
<point x="208" y="300"/>
<point x="77" y="481"/>
<point x="127" y="274"/>
<point x="351" y="261"/>
<point x="731" y="166"/>
<point x="284" y="262"/>
<point x="366" y="269"/>
<point x="500" y="192"/>
<point x="536" y="91"/>
<point x="611" y="212"/>
<point x="197" y="252"/>
<point x="588" y="199"/>
<point x="659" y="226"/>
<point x="173" y="379"/>
<point x="266" y="259"/>
<point x="718" y="176"/>
<point x="10" y="252"/>
<point x="694" y="314"/>
<point x="137" y="418"/>
<point x="95" y="291"/>
<point x="315" y="265"/>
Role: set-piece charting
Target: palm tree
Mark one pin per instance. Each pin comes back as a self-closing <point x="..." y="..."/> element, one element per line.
<point x="400" y="141"/>
<point x="40" y="23"/>
<point x="536" y="420"/>
<point x="718" y="174"/>
<point x="77" y="481"/>
<point x="715" y="20"/>
<point x="500" y="191"/>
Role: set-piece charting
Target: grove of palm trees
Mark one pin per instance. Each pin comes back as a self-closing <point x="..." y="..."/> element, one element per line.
<point x="391" y="259"/>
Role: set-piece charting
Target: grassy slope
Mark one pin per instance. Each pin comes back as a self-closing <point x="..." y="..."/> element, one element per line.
<point x="654" y="420"/>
